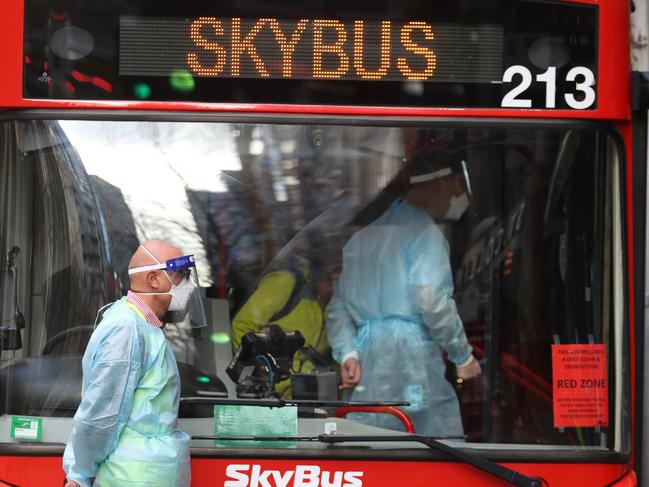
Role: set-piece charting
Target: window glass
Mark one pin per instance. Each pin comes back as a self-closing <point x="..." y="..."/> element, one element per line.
<point x="349" y="235"/>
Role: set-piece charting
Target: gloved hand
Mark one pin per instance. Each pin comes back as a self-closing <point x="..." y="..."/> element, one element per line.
<point x="350" y="373"/>
<point x="469" y="371"/>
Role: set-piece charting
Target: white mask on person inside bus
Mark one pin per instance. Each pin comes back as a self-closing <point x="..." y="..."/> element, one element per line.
<point x="457" y="206"/>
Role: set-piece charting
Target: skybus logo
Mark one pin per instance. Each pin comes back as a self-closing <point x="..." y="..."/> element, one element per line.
<point x="301" y="476"/>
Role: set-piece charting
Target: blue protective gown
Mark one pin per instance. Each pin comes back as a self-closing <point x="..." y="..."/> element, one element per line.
<point x="394" y="306"/>
<point x="125" y="431"/>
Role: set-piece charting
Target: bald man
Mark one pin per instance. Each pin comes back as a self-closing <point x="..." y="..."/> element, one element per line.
<point x="125" y="431"/>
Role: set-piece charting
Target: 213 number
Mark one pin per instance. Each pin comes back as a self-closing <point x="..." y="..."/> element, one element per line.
<point x="584" y="84"/>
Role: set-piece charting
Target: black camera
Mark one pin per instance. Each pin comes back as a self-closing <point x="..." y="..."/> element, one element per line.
<point x="263" y="360"/>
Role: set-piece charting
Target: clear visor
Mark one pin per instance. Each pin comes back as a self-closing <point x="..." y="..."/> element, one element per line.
<point x="467" y="181"/>
<point x="186" y="281"/>
<point x="179" y="277"/>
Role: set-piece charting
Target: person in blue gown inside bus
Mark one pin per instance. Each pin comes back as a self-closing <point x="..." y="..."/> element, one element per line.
<point x="392" y="312"/>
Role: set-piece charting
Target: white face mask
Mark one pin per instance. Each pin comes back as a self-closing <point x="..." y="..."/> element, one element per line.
<point x="180" y="294"/>
<point x="458" y="205"/>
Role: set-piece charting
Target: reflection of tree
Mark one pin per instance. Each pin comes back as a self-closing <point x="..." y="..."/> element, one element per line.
<point x="233" y="240"/>
<point x="290" y="177"/>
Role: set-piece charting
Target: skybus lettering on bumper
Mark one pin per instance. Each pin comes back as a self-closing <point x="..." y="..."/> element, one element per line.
<point x="241" y="475"/>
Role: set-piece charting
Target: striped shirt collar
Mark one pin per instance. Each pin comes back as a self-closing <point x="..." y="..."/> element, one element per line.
<point x="148" y="313"/>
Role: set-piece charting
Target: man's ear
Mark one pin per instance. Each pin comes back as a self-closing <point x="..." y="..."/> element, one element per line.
<point x="152" y="280"/>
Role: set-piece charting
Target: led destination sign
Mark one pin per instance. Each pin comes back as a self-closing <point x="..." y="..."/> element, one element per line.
<point x="504" y="54"/>
<point x="318" y="49"/>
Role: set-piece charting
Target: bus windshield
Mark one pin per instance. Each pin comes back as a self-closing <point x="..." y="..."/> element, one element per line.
<point x="411" y="252"/>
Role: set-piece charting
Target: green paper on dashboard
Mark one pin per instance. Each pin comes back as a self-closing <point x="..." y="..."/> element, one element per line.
<point x="232" y="420"/>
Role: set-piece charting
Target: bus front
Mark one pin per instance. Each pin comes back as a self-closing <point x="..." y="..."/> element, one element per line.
<point x="278" y="143"/>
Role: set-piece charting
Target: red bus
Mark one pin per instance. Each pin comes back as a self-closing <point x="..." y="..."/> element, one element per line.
<point x="246" y="132"/>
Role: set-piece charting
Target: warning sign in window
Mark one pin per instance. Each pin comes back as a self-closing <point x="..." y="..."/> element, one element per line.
<point x="580" y="385"/>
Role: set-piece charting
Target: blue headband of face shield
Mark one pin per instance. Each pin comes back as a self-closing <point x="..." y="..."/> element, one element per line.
<point x="182" y="264"/>
<point x="457" y="168"/>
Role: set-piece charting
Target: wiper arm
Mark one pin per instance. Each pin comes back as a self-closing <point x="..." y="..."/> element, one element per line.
<point x="510" y="476"/>
<point x="279" y="403"/>
<point x="492" y="468"/>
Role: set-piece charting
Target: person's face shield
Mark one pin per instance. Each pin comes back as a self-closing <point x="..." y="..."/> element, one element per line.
<point x="461" y="197"/>
<point x="458" y="168"/>
<point x="179" y="270"/>
<point x="186" y="299"/>
<point x="466" y="181"/>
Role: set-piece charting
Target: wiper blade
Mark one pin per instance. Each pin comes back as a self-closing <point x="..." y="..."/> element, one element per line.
<point x="279" y="403"/>
<point x="510" y="476"/>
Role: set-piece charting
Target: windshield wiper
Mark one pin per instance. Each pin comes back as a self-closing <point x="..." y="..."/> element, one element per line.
<point x="508" y="475"/>
<point x="492" y="468"/>
<point x="279" y="403"/>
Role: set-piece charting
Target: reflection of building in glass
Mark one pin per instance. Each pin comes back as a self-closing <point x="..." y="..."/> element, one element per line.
<point x="120" y="227"/>
<point x="71" y="257"/>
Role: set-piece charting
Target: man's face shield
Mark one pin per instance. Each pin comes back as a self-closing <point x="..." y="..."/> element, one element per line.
<point x="183" y="276"/>
<point x="186" y="298"/>
<point x="179" y="269"/>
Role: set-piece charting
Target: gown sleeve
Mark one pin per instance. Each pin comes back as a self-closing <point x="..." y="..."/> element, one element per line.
<point x="109" y="383"/>
<point x="341" y="330"/>
<point x="431" y="292"/>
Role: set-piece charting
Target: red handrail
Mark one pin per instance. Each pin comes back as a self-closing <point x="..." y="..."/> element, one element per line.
<point x="400" y="414"/>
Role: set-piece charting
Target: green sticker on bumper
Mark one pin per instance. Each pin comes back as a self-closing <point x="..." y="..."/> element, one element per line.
<point x="255" y="421"/>
<point x="26" y="428"/>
